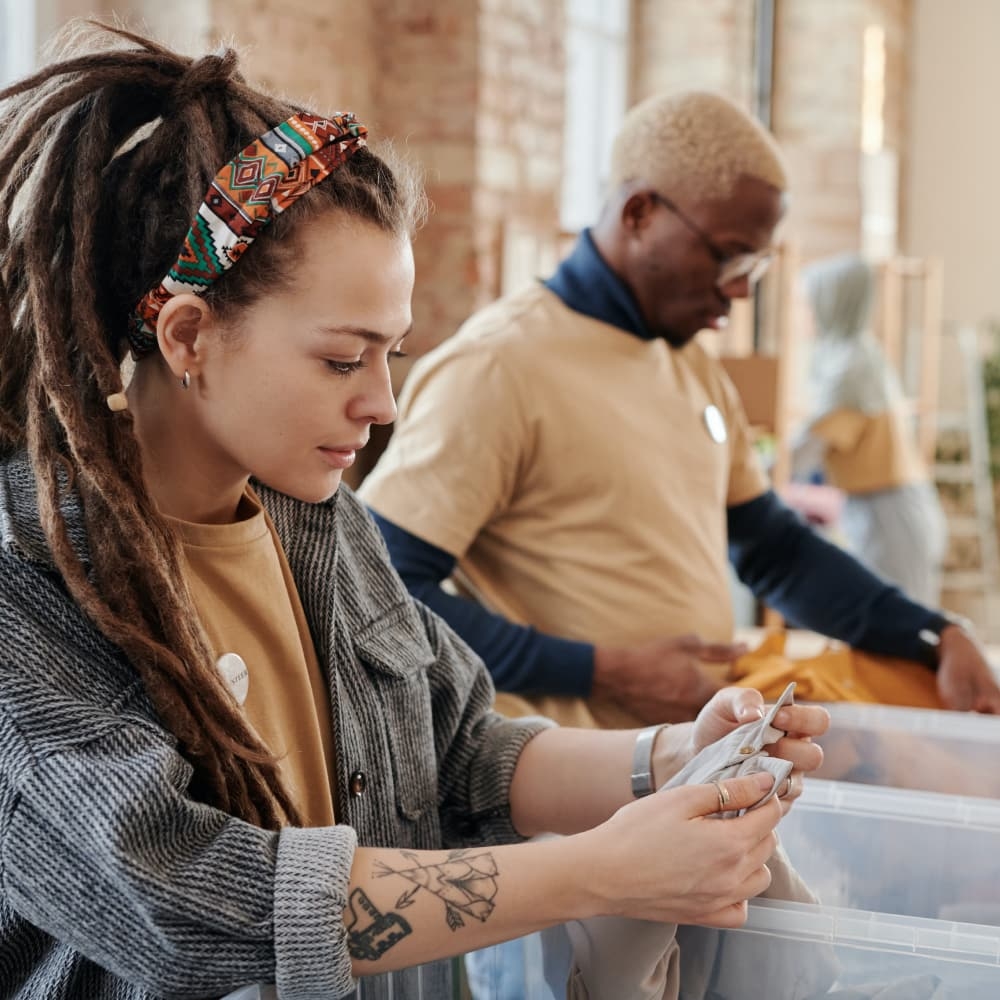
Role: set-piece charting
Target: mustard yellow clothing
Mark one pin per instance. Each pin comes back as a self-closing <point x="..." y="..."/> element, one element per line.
<point x="248" y="604"/>
<point x="838" y="673"/>
<point x="570" y="469"/>
<point x="868" y="452"/>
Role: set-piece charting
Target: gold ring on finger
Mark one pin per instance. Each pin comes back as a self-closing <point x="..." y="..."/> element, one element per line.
<point x="723" y="793"/>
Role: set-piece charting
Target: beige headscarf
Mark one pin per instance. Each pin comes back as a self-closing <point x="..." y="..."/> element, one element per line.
<point x="848" y="369"/>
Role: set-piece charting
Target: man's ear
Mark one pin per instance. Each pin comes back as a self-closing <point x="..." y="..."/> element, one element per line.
<point x="180" y="332"/>
<point x="637" y="211"/>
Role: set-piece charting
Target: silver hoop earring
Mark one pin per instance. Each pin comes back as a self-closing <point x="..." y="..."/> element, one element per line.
<point x="186" y="381"/>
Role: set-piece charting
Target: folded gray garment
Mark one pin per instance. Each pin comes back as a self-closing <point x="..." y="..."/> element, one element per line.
<point x="616" y="958"/>
<point x="742" y="752"/>
<point x="728" y="965"/>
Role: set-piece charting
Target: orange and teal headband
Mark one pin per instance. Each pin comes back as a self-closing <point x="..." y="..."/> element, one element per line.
<point x="259" y="183"/>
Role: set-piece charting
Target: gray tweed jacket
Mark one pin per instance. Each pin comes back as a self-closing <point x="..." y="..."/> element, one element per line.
<point x="114" y="883"/>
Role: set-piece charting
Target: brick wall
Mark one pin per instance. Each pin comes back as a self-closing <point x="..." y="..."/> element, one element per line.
<point x="688" y="44"/>
<point x="518" y="129"/>
<point x="817" y="111"/>
<point x="426" y="97"/>
<point x="816" y="116"/>
<point x="321" y="54"/>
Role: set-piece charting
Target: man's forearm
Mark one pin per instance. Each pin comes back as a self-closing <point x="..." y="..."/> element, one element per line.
<point x="819" y="586"/>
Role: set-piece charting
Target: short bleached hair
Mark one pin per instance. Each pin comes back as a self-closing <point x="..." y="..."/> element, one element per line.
<point x="693" y="146"/>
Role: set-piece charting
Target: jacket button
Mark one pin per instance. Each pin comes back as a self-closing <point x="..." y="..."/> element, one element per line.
<point x="358" y="783"/>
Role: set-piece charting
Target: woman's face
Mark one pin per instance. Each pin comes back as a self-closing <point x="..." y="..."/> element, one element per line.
<point x="291" y="397"/>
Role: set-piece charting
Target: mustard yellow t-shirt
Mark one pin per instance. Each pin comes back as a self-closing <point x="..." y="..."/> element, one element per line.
<point x="867" y="452"/>
<point x="569" y="467"/>
<point x="248" y="604"/>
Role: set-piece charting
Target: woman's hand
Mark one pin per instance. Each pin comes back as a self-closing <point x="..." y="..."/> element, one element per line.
<point x="733" y="707"/>
<point x="666" y="858"/>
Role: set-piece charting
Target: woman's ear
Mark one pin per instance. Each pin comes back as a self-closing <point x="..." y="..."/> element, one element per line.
<point x="181" y="333"/>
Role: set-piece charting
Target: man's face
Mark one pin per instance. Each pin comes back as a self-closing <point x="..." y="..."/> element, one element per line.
<point x="677" y="267"/>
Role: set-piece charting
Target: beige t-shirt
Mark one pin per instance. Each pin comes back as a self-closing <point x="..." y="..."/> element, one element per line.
<point x="248" y="604"/>
<point x="867" y="452"/>
<point x="569" y="467"/>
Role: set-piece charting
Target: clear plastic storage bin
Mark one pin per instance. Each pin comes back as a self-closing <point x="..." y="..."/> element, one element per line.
<point x="795" y="951"/>
<point x="952" y="752"/>
<point x="791" y="951"/>
<point x="918" y="854"/>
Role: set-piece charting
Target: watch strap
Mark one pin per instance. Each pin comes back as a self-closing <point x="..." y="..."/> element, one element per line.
<point x="930" y="635"/>
<point x="642" y="760"/>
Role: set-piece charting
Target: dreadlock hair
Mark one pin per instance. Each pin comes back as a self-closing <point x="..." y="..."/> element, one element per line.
<point x="105" y="156"/>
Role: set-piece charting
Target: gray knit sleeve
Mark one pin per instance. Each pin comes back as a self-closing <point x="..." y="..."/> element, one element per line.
<point x="310" y="893"/>
<point x="101" y="847"/>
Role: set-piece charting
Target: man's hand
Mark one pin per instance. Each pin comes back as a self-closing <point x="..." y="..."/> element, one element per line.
<point x="964" y="678"/>
<point x="662" y="680"/>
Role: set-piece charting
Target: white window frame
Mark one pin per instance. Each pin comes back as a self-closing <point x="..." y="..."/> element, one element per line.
<point x="597" y="54"/>
<point x="17" y="39"/>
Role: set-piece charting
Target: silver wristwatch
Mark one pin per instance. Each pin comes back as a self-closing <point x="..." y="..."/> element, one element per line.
<point x="642" y="760"/>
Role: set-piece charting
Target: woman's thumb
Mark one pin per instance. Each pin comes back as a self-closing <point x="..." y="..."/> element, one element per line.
<point x="732" y="794"/>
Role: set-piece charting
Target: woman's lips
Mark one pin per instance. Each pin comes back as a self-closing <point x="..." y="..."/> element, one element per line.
<point x="339" y="458"/>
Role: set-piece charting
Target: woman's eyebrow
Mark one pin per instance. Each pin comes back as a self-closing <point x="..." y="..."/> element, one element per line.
<point x="372" y="336"/>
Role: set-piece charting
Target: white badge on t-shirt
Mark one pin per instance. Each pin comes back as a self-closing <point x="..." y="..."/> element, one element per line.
<point x="716" y="424"/>
<point x="233" y="670"/>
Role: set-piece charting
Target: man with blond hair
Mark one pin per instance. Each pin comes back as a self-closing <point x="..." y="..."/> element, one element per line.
<point x="580" y="467"/>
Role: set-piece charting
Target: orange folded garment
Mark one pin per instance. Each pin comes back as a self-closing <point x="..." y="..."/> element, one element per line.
<point x="839" y="673"/>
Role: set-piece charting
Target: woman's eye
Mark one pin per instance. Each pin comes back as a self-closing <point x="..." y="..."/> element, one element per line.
<point x="343" y="367"/>
<point x="398" y="354"/>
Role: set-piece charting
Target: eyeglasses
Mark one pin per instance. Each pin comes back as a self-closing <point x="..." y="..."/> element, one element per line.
<point x="732" y="266"/>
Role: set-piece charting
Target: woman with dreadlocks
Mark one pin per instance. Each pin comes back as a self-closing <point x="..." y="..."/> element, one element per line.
<point x="232" y="749"/>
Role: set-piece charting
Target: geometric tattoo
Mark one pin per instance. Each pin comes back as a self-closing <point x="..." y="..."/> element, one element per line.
<point x="371" y="933"/>
<point x="466" y="883"/>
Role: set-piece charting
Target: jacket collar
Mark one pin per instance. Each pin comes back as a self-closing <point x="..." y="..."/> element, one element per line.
<point x="586" y="284"/>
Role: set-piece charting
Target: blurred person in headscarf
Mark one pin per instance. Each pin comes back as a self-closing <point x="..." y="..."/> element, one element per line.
<point x="857" y="432"/>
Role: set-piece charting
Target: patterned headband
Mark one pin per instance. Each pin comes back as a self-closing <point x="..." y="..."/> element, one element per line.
<point x="247" y="193"/>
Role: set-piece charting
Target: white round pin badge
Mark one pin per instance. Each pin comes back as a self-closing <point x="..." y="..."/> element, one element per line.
<point x="715" y="423"/>
<point x="233" y="671"/>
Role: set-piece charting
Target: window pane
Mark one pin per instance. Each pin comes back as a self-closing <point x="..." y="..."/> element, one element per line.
<point x="17" y="39"/>
<point x="596" y="93"/>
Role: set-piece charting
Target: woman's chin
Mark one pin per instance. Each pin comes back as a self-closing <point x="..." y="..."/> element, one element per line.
<point x="308" y="491"/>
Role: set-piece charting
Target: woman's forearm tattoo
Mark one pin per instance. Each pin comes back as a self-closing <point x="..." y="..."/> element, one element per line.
<point x="370" y="932"/>
<point x="465" y="882"/>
